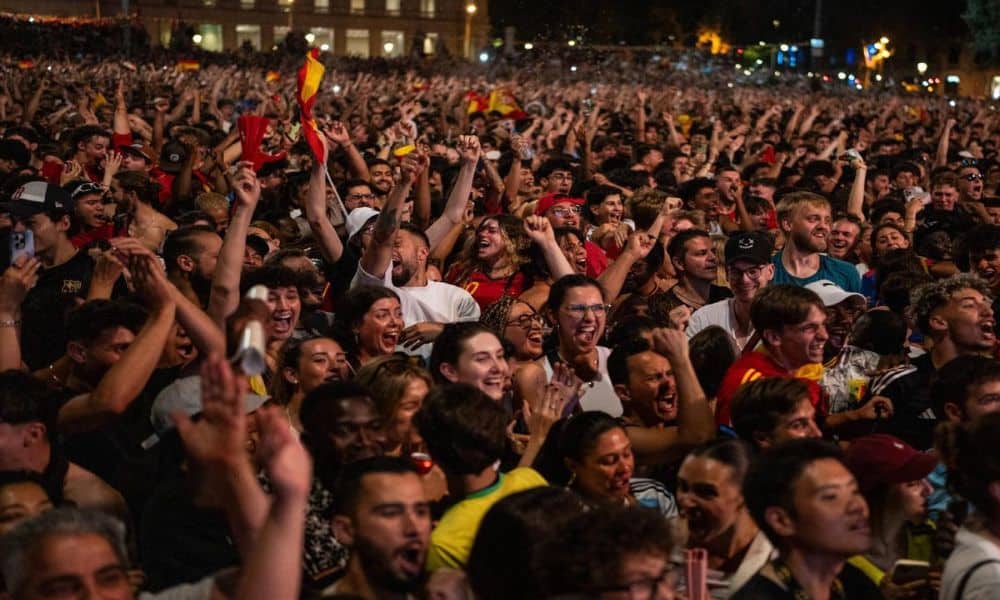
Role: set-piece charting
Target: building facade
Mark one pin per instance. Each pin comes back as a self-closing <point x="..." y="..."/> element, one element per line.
<point x="368" y="28"/>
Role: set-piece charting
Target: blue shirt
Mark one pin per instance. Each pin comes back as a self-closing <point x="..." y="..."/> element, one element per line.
<point x="840" y="272"/>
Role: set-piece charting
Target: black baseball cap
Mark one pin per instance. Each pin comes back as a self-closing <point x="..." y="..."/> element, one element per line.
<point x="752" y="246"/>
<point x="37" y="197"/>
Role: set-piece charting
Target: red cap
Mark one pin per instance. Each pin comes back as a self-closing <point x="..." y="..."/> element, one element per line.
<point x="882" y="458"/>
<point x="549" y="200"/>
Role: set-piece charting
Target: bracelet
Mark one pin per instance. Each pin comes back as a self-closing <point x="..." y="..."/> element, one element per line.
<point x="10" y="323"/>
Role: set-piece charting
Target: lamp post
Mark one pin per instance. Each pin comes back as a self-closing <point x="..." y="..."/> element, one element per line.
<point x="470" y="11"/>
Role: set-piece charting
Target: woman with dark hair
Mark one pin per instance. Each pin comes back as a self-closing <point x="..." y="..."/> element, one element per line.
<point x="596" y="462"/>
<point x="469" y="352"/>
<point x="971" y="453"/>
<point x="369" y="322"/>
<point x="710" y="500"/>
<point x="578" y="310"/>
<point x="505" y="555"/>
<point x="492" y="266"/>
<point x="304" y="366"/>
<point x="520" y="328"/>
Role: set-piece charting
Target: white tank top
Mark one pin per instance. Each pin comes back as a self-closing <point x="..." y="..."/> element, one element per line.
<point x="598" y="394"/>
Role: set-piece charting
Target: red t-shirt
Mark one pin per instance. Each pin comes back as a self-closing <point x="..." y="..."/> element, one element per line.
<point x="751" y="367"/>
<point x="104" y="232"/>
<point x="597" y="260"/>
<point x="485" y="290"/>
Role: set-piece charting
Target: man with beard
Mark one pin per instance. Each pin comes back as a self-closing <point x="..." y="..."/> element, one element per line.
<point x="396" y="258"/>
<point x="696" y="267"/>
<point x="191" y="254"/>
<point x="805" y="499"/>
<point x="381" y="180"/>
<point x="381" y="514"/>
<point x="790" y="322"/>
<point x="956" y="314"/>
<point x="749" y="270"/>
<point x="804" y="218"/>
<point x="842" y="310"/>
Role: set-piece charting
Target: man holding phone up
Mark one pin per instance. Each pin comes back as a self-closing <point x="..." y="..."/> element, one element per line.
<point x="43" y="223"/>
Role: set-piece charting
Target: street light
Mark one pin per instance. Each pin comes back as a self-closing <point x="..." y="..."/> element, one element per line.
<point x="196" y="38"/>
<point x="470" y="10"/>
<point x="921" y="67"/>
<point x="310" y="37"/>
<point x="388" y="47"/>
<point x="884" y="40"/>
<point x="529" y="46"/>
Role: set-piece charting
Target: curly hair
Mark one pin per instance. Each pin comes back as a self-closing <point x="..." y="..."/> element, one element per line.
<point x="927" y="298"/>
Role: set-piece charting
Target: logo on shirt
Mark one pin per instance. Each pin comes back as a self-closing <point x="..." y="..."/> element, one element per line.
<point x="71" y="286"/>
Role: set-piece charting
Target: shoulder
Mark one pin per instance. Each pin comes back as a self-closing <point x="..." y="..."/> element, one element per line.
<point x="759" y="587"/>
<point x="524" y="478"/>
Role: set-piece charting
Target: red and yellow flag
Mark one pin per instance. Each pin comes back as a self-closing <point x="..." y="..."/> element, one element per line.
<point x="272" y="76"/>
<point x="188" y="65"/>
<point x="477" y="102"/>
<point x="252" y="130"/>
<point x="310" y="76"/>
<point x="503" y="101"/>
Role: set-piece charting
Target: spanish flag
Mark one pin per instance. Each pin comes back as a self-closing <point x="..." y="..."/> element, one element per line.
<point x="310" y="76"/>
<point x="25" y="64"/>
<point x="477" y="102"/>
<point x="502" y="101"/>
<point x="272" y="76"/>
<point x="188" y="65"/>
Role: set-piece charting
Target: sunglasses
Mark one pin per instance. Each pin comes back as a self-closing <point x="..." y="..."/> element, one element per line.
<point x="86" y="188"/>
<point x="973" y="177"/>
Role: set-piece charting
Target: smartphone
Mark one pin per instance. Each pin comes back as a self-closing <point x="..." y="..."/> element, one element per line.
<point x="907" y="571"/>
<point x="22" y="243"/>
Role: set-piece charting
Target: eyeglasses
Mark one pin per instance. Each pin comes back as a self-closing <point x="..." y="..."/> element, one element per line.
<point x="753" y="272"/>
<point x="972" y="177"/>
<point x="526" y="321"/>
<point x="648" y="588"/>
<point x="564" y="211"/>
<point x="361" y="196"/>
<point x="580" y="310"/>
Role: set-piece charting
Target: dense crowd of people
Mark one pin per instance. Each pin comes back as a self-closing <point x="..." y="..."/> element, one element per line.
<point x="494" y="334"/>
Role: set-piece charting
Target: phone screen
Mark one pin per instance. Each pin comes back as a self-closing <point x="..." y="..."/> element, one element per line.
<point x="22" y="243"/>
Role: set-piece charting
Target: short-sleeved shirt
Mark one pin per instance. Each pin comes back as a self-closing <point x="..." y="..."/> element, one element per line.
<point x="43" y="320"/>
<point x="758" y="365"/>
<point x="487" y="290"/>
<point x="451" y="540"/>
<point x="843" y="273"/>
<point x="983" y="583"/>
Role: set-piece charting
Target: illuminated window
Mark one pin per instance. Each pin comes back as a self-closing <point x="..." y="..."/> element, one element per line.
<point x="392" y="44"/>
<point x="280" y="32"/>
<point x="248" y="4"/>
<point x="430" y="43"/>
<point x="211" y="37"/>
<point x="322" y="38"/>
<point x="357" y="7"/>
<point x="248" y="33"/>
<point x="321" y="6"/>
<point x="356" y="43"/>
<point x="427" y="8"/>
<point x="392" y="7"/>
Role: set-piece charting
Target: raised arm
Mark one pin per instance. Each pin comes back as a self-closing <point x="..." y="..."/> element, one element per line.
<point x="856" y="201"/>
<point x="15" y="284"/>
<point x="338" y="133"/>
<point x="540" y="231"/>
<point x="378" y="254"/>
<point x="124" y="381"/>
<point x="637" y="248"/>
<point x="941" y="157"/>
<point x="120" y="122"/>
<point x="316" y="211"/>
<point x="468" y="147"/>
<point x="225" y="295"/>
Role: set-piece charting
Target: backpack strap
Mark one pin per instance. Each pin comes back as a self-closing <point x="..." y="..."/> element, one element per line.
<point x="968" y="575"/>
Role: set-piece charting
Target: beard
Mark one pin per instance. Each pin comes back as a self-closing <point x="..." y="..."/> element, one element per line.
<point x="807" y="242"/>
<point x="379" y="572"/>
<point x="405" y="274"/>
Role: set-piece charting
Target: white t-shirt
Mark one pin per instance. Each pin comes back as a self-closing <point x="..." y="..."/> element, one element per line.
<point x="436" y="302"/>
<point x="598" y="394"/>
<point x="719" y="313"/>
<point x="984" y="583"/>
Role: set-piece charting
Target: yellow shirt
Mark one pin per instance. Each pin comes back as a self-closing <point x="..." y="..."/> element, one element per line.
<point x="451" y="540"/>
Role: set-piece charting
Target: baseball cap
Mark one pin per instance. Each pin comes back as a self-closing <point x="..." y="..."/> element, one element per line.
<point x="830" y="293"/>
<point x="172" y="157"/>
<point x="549" y="200"/>
<point x="753" y="246"/>
<point x="184" y="395"/>
<point x="140" y="150"/>
<point x="37" y="197"/>
<point x="357" y="219"/>
<point x="882" y="458"/>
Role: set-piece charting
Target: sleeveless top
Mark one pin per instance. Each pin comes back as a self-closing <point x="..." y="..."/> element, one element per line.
<point x="595" y="395"/>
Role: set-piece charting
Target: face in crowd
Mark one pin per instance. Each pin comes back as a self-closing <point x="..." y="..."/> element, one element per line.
<point x="482" y="362"/>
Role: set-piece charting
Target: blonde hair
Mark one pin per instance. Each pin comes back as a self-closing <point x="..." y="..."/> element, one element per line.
<point x="790" y="203"/>
<point x="387" y="378"/>
<point x="207" y="201"/>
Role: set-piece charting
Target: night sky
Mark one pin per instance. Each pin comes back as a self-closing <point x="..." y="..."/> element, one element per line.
<point x="844" y="22"/>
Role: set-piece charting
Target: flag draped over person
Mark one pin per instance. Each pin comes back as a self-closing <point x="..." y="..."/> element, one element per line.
<point x="310" y="76"/>
<point x="252" y="129"/>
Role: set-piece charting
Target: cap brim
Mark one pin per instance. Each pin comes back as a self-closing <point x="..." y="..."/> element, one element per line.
<point x="21" y="209"/>
<point x="917" y="468"/>
<point x="836" y="298"/>
<point x="134" y="152"/>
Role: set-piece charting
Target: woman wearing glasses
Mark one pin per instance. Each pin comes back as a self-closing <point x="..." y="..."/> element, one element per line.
<point x="520" y="327"/>
<point x="578" y="310"/>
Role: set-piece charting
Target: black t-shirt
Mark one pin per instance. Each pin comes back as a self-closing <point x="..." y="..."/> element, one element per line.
<point x="856" y="585"/>
<point x="908" y="388"/>
<point x="43" y="312"/>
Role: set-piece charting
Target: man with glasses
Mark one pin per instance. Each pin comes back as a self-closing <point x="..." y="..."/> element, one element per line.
<point x="748" y="270"/>
<point x="357" y="192"/>
<point x="563" y="210"/>
<point x="555" y="176"/>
